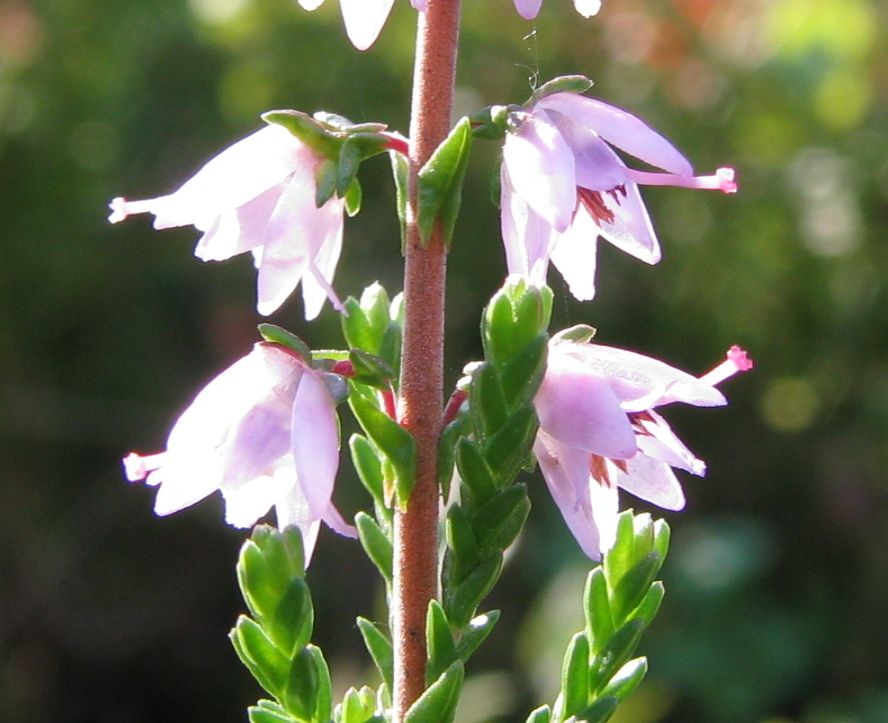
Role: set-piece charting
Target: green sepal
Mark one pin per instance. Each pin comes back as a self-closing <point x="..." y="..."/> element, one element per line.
<point x="395" y="442"/>
<point x="490" y="123"/>
<point x="575" y="676"/>
<point x="325" y="181"/>
<point x="579" y="333"/>
<point x="650" y="604"/>
<point x="380" y="649"/>
<point x="475" y="633"/>
<point x="353" y="197"/>
<point x="499" y="520"/>
<point x="440" y="180"/>
<point x="306" y="129"/>
<point x="278" y="335"/>
<point x="495" y="185"/>
<point x="597" y="611"/>
<point x="376" y="544"/>
<point x="439" y="639"/>
<point x="543" y="714"/>
<point x="561" y="84"/>
<point x="358" y="706"/>
<point x="460" y="603"/>
<point x="474" y="471"/>
<point x="371" y="369"/>
<point x="341" y="124"/>
<point x="633" y="586"/>
<point x="400" y="174"/>
<point x="323" y="704"/>
<point x="301" y="691"/>
<point x="265" y="662"/>
<point x="266" y="711"/>
<point x="507" y="450"/>
<point x="617" y="651"/>
<point x="368" y="468"/>
<point x="438" y="703"/>
<point x="600" y="711"/>
<point x="350" y="155"/>
<point x="627" y="679"/>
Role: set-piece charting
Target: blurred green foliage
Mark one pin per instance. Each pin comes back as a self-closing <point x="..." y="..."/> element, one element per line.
<point x="775" y="606"/>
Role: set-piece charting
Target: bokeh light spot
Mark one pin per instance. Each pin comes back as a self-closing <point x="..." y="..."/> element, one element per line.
<point x="789" y="404"/>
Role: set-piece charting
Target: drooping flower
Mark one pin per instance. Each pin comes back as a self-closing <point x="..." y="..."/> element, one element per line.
<point x="264" y="433"/>
<point x="599" y="432"/>
<point x="258" y="195"/>
<point x="363" y="18"/>
<point x="528" y="9"/>
<point x="563" y="186"/>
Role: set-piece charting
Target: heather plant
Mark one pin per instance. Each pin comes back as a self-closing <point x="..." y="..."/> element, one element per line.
<point x="446" y="482"/>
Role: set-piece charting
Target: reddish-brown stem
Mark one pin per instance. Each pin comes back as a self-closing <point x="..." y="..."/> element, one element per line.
<point x="422" y="365"/>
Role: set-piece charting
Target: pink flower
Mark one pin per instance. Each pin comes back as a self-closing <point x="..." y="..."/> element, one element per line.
<point x="363" y="18"/>
<point x="264" y="432"/>
<point x="598" y="432"/>
<point x="528" y="9"/>
<point x="563" y="186"/>
<point x="258" y="195"/>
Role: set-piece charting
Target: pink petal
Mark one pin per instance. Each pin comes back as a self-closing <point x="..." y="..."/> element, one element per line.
<point x="541" y="167"/>
<point x="364" y="20"/>
<point x="652" y="481"/>
<point x="622" y="129"/>
<point x="528" y="9"/>
<point x="317" y="284"/>
<point x="245" y="503"/>
<point x="574" y="255"/>
<point x="587" y="8"/>
<point x="185" y="480"/>
<point x="630" y="228"/>
<point x="577" y="407"/>
<point x="315" y="443"/>
<point x="422" y="5"/>
<point x="237" y="230"/>
<point x="597" y="167"/>
<point x="526" y="236"/>
<point x="661" y="443"/>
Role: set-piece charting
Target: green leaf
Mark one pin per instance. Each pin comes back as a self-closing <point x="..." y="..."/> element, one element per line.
<point x="440" y="182"/>
<point x="352" y="709"/>
<point x="474" y="472"/>
<point x="541" y="715"/>
<point x="644" y="536"/>
<point x="368" y="468"/>
<point x="601" y="710"/>
<point x="522" y="375"/>
<point x="291" y="624"/>
<point x="498" y="521"/>
<point x="575" y="676"/>
<point x="627" y="679"/>
<point x="438" y="703"/>
<point x="376" y="305"/>
<point x="306" y="129"/>
<point x="370" y="369"/>
<point x="661" y="538"/>
<point x="353" y="197"/>
<point x="461" y="540"/>
<point x="441" y="648"/>
<point x="596" y="606"/>
<point x="620" y="557"/>
<point x="400" y="172"/>
<point x="260" y="586"/>
<point x="268" y="712"/>
<point x="376" y="544"/>
<point x="460" y="604"/>
<point x="278" y="335"/>
<point x="300" y="693"/>
<point x="267" y="664"/>
<point x="446" y="453"/>
<point x="650" y="604"/>
<point x="509" y="448"/>
<point x="618" y="650"/>
<point x="395" y="442"/>
<point x="475" y="633"/>
<point x="486" y="400"/>
<point x="380" y="649"/>
<point x="561" y="84"/>
<point x="323" y="707"/>
<point x="633" y="586"/>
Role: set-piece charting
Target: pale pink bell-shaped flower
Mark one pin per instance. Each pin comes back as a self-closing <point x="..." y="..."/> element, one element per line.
<point x="563" y="186"/>
<point x="258" y="195"/>
<point x="363" y="18"/>
<point x="528" y="9"/>
<point x="598" y="432"/>
<point x="264" y="433"/>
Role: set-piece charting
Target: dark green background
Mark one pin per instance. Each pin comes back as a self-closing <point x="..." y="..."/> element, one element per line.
<point x="776" y="588"/>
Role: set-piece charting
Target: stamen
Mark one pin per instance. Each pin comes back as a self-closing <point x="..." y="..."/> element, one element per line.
<point x="594" y="204"/>
<point x="599" y="471"/>
<point x="325" y="285"/>
<point x="737" y="361"/>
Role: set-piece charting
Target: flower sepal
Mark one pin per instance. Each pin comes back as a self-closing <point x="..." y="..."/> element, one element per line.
<point x="308" y="130"/>
<point x="579" y="333"/>
<point x="278" y="335"/>
<point x="491" y="122"/>
<point x="562" y="84"/>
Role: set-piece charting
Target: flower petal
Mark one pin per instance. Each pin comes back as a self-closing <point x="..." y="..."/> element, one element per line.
<point x="317" y="284"/>
<point x="597" y="167"/>
<point x="574" y="255"/>
<point x="620" y="128"/>
<point x="528" y="9"/>
<point x="237" y="230"/>
<point x="579" y="409"/>
<point x="364" y="20"/>
<point x="629" y="227"/>
<point x="245" y="503"/>
<point x="587" y="8"/>
<point x="315" y="442"/>
<point x="652" y="481"/>
<point x="541" y="168"/>
<point x="660" y="442"/>
<point x="526" y="236"/>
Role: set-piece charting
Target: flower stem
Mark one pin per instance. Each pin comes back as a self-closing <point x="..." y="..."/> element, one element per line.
<point x="422" y="365"/>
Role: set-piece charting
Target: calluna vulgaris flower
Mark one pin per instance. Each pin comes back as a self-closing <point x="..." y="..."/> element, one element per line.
<point x="599" y="432"/>
<point x="528" y="9"/>
<point x="264" y="432"/>
<point x="363" y="18"/>
<point x="258" y="195"/>
<point x="563" y="186"/>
